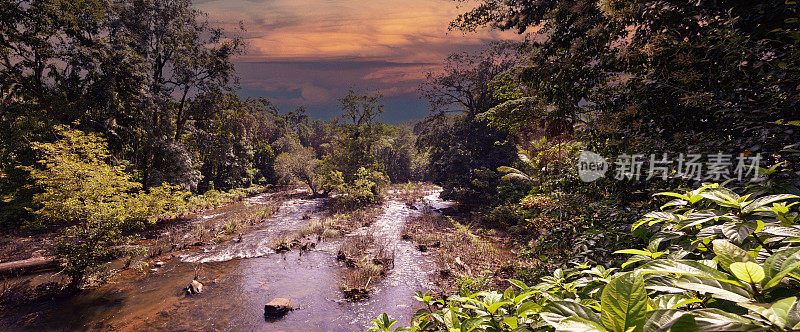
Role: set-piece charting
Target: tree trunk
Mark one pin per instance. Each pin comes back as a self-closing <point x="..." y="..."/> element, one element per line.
<point x="30" y="265"/>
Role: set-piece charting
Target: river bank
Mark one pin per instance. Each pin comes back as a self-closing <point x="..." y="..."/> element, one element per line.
<point x="244" y="272"/>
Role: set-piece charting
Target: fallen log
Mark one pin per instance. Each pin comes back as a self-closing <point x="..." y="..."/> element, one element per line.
<point x="29" y="266"/>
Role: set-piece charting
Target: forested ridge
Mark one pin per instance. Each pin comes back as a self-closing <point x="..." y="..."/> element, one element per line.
<point x="120" y="117"/>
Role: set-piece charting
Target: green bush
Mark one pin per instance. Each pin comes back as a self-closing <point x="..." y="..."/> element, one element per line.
<point x="366" y="188"/>
<point x="93" y="202"/>
<point x="716" y="261"/>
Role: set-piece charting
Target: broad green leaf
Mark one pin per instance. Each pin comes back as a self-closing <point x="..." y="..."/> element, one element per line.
<point x="723" y="197"/>
<point x="776" y="262"/>
<point x="737" y="232"/>
<point x="719" y="320"/>
<point x="519" y="284"/>
<point x="714" y="288"/>
<point x="748" y="272"/>
<point x="782" y="231"/>
<point x="577" y="324"/>
<point x="777" y="312"/>
<point x="776" y="279"/>
<point x="527" y="308"/>
<point x="472" y="323"/>
<point x="686" y="267"/>
<point x="669" y="320"/>
<point x="671" y="194"/>
<point x="492" y="308"/>
<point x="793" y="316"/>
<point x="554" y="312"/>
<point x="728" y="253"/>
<point x="765" y="200"/>
<point x="673" y="301"/>
<point x="624" y="303"/>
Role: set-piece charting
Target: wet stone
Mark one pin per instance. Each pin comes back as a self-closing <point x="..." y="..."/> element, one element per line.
<point x="195" y="287"/>
<point x="277" y="308"/>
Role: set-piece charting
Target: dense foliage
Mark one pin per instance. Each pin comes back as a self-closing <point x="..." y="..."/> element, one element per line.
<point x="716" y="261"/>
<point x="96" y="201"/>
<point x="626" y="77"/>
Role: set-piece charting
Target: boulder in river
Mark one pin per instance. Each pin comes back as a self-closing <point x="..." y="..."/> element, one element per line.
<point x="277" y="308"/>
<point x="195" y="287"/>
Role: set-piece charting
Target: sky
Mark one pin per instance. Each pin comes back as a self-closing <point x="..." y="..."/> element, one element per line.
<point x="310" y="52"/>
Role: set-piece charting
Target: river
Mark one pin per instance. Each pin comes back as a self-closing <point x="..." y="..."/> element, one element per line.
<point x="241" y="276"/>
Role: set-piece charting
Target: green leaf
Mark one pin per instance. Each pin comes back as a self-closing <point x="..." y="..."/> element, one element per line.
<point x="634" y="252"/>
<point x="519" y="284"/>
<point x="728" y="253"/>
<point x="738" y="231"/>
<point x="511" y="322"/>
<point x="556" y="311"/>
<point x="686" y="267"/>
<point x="492" y="308"/>
<point x="528" y="307"/>
<point x="669" y="320"/>
<point x="748" y="272"/>
<point x="777" y="312"/>
<point x="718" y="320"/>
<point x="577" y="324"/>
<point x="713" y="287"/>
<point x="782" y="231"/>
<point x="671" y="194"/>
<point x="764" y="200"/>
<point x="673" y="301"/>
<point x="472" y="323"/>
<point x="776" y="279"/>
<point x="624" y="303"/>
<point x="776" y="262"/>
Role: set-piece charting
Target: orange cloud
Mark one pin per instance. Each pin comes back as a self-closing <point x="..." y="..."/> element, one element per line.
<point x="399" y="31"/>
<point x="308" y="52"/>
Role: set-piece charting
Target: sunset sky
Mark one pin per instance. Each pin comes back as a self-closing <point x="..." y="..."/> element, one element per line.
<point x="309" y="52"/>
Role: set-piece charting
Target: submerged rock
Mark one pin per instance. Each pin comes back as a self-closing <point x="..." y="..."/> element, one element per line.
<point x="277" y="308"/>
<point x="356" y="294"/>
<point x="195" y="287"/>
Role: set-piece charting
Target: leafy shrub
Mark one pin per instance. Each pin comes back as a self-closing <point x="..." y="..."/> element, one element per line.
<point x="299" y="165"/>
<point x="93" y="200"/>
<point x="716" y="261"/>
<point x="366" y="188"/>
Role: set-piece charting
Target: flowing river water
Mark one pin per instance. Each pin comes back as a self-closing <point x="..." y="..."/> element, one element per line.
<point x="241" y="276"/>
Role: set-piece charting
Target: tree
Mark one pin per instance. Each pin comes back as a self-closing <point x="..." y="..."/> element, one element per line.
<point x="128" y="69"/>
<point x="465" y="151"/>
<point x="464" y="84"/>
<point x="668" y="75"/>
<point x="94" y="200"/>
<point x="352" y="148"/>
<point x="300" y="165"/>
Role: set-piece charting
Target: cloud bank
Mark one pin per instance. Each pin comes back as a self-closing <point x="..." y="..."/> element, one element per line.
<point x="309" y="52"/>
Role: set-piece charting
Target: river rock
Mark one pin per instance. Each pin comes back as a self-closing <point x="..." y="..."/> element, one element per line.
<point x="195" y="287"/>
<point x="277" y="308"/>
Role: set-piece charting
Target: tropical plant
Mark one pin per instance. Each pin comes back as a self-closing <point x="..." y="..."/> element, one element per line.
<point x="716" y="261"/>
